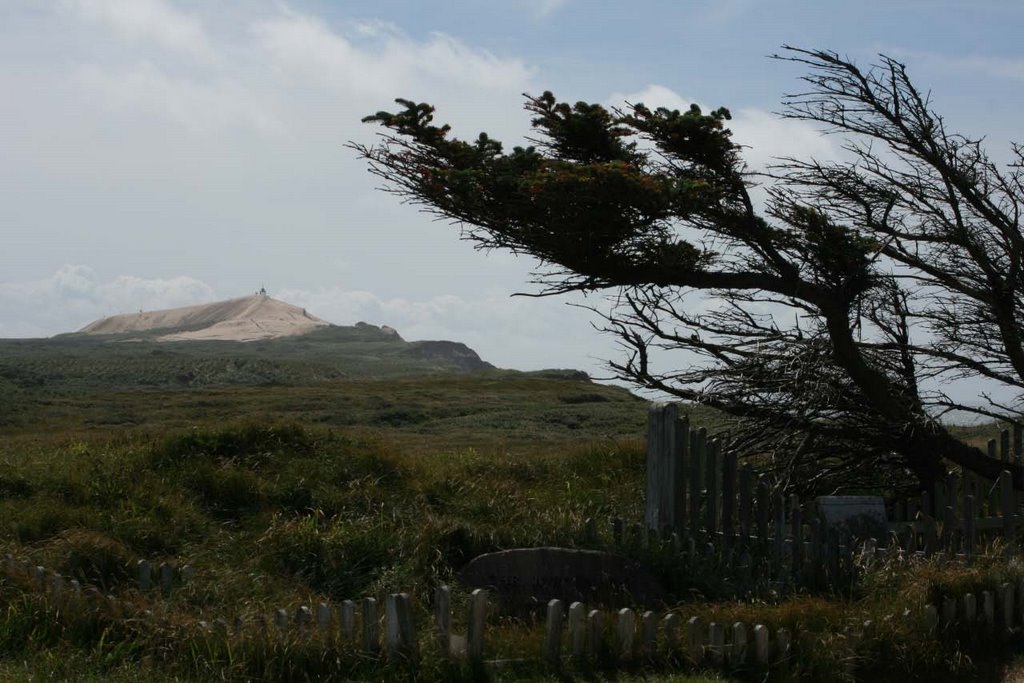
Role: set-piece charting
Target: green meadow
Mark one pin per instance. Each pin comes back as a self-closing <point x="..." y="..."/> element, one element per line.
<point x="312" y="479"/>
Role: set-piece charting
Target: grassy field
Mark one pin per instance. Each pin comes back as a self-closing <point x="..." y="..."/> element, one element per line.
<point x="305" y="490"/>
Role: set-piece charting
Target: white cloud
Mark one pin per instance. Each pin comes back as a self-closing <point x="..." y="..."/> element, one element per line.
<point x="73" y="296"/>
<point x="543" y="8"/>
<point x="992" y="66"/>
<point x="507" y="331"/>
<point x="148" y="21"/>
<point x="200" y="107"/>
<point x="378" y="60"/>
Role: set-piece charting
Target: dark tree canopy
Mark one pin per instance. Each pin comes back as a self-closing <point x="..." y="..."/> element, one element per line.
<point x="832" y="313"/>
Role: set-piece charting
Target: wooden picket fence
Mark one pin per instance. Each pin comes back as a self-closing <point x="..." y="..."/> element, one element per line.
<point x="574" y="636"/>
<point x="701" y="502"/>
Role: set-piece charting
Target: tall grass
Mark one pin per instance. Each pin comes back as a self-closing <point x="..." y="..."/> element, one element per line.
<point x="291" y="506"/>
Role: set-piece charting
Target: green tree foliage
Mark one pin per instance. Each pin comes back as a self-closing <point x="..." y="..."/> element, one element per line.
<point x="832" y="312"/>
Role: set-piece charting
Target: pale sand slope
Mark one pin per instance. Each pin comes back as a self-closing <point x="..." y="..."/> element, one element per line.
<point x="246" y="319"/>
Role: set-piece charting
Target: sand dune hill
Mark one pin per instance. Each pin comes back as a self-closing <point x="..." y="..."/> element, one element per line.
<point x="246" y="319"/>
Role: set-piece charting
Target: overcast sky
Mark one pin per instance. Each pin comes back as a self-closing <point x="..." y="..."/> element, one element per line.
<point x="157" y="153"/>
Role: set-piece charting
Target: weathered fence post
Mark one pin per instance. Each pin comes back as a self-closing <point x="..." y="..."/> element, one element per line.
<point x="401" y="631"/>
<point x="695" y="638"/>
<point x="762" y="509"/>
<point x="595" y="631"/>
<point x="371" y="634"/>
<point x="166" y="578"/>
<point x="1009" y="512"/>
<point x="649" y="633"/>
<point x="783" y="644"/>
<point x="281" y="619"/>
<point x="1006" y="600"/>
<point x="988" y="609"/>
<point x="729" y="497"/>
<point x="739" y="643"/>
<point x="303" y="619"/>
<point x="323" y="619"/>
<point x="698" y="446"/>
<point x="948" y="611"/>
<point x="1018" y="444"/>
<point x="625" y="630"/>
<point x="477" y="623"/>
<point x="711" y="513"/>
<point x="716" y="638"/>
<point x="577" y="630"/>
<point x="670" y="624"/>
<point x="761" y="650"/>
<point x="664" y="467"/>
<point x="553" y="633"/>
<point x="970" y="537"/>
<point x="347" y="620"/>
<point x="746" y="501"/>
<point x="144" y="574"/>
<point x="443" y="619"/>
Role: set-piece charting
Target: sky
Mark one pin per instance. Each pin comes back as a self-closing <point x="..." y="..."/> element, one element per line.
<point x="161" y="153"/>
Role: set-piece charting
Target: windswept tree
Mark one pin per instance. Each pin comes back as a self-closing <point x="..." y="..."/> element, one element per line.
<point x="828" y="316"/>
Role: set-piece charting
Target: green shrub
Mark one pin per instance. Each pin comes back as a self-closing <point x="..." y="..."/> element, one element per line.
<point x="93" y="558"/>
<point x="250" y="445"/>
<point x="40" y="519"/>
<point x="339" y="558"/>
<point x="226" y="490"/>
